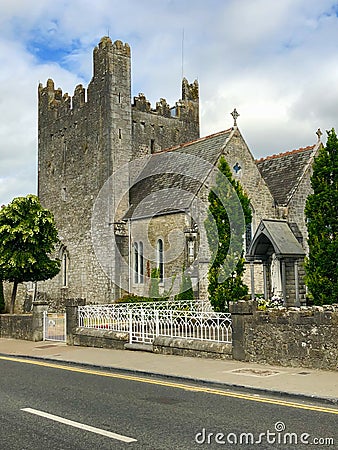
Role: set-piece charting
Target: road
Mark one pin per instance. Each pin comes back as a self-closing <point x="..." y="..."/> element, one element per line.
<point x="46" y="406"/>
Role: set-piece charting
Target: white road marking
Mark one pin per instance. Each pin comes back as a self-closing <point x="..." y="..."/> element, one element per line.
<point x="82" y="426"/>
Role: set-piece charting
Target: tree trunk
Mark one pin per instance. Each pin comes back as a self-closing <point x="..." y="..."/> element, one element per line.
<point x="15" y="289"/>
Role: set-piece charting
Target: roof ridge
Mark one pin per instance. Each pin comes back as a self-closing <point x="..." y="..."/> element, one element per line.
<point x="186" y="144"/>
<point x="290" y="152"/>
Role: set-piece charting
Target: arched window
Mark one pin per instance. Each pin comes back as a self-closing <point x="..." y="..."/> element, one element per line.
<point x="64" y="267"/>
<point x="136" y="255"/>
<point x="248" y="236"/>
<point x="160" y="264"/>
<point x="141" y="262"/>
<point x="138" y="262"/>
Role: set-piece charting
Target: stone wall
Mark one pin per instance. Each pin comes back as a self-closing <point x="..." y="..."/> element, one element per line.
<point x="86" y="337"/>
<point x="192" y="347"/>
<point x="290" y="284"/>
<point x="149" y="231"/>
<point x="17" y="326"/>
<point x="83" y="140"/>
<point x="262" y="203"/>
<point x="24" y="326"/>
<point x="305" y="337"/>
<point x="295" y="209"/>
<point x="156" y="129"/>
<point x="238" y="154"/>
<point x="296" y="337"/>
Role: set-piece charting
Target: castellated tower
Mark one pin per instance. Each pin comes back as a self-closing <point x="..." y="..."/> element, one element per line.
<point x="83" y="140"/>
<point x="154" y="129"/>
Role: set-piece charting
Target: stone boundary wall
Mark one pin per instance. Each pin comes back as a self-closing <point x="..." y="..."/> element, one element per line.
<point x="18" y="326"/>
<point x="296" y="337"/>
<point x="89" y="337"/>
<point x="305" y="337"/>
<point x="86" y="337"/>
<point x="24" y="326"/>
<point x="192" y="347"/>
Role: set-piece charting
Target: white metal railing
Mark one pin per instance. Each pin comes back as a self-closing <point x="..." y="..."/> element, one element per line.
<point x="115" y="316"/>
<point x="107" y="317"/>
<point x="145" y="321"/>
<point x="145" y="325"/>
<point x="200" y="305"/>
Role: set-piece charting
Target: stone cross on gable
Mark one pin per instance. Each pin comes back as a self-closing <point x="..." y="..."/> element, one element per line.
<point x="319" y="133"/>
<point x="235" y="115"/>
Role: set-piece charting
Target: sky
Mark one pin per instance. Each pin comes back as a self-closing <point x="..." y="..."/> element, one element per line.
<point x="276" y="62"/>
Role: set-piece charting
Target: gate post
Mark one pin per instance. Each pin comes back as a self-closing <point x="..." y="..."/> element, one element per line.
<point x="241" y="314"/>
<point x="72" y="305"/>
<point x="39" y="307"/>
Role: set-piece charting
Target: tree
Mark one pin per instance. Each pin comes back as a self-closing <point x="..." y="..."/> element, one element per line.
<point x="27" y="237"/>
<point x="186" y="292"/>
<point x="154" y="289"/>
<point x="321" y="211"/>
<point x="228" y="214"/>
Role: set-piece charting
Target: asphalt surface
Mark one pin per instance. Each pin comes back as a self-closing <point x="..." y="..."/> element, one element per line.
<point x="295" y="382"/>
<point x="155" y="413"/>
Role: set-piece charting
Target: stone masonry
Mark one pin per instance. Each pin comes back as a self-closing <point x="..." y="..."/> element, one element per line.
<point x="305" y="336"/>
<point x="83" y="140"/>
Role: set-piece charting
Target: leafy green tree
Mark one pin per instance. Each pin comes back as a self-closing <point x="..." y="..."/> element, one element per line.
<point x="27" y="237"/>
<point x="154" y="289"/>
<point x="321" y="211"/>
<point x="186" y="292"/>
<point x="228" y="214"/>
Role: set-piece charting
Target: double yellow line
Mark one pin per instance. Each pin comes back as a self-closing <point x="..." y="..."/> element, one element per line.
<point x="174" y="385"/>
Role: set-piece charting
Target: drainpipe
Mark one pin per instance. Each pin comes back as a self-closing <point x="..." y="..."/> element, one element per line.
<point x="129" y="256"/>
<point x="252" y="273"/>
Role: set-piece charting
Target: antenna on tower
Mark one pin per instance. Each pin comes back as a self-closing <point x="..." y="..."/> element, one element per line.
<point x="182" y="51"/>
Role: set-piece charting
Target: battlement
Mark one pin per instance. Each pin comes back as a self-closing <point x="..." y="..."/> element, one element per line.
<point x="162" y="107"/>
<point x="188" y="105"/>
<point x="107" y="44"/>
<point x="190" y="91"/>
<point x="141" y="103"/>
<point x="109" y="90"/>
<point x="53" y="101"/>
<point x="109" y="58"/>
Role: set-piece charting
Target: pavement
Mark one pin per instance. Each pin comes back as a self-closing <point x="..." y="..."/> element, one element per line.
<point x="300" y="382"/>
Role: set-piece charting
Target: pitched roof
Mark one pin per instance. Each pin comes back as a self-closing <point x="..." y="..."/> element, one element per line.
<point x="274" y="236"/>
<point x="283" y="172"/>
<point x="171" y="178"/>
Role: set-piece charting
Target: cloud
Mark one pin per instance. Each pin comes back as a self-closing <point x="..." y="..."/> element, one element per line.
<point x="276" y="62"/>
<point x="18" y="110"/>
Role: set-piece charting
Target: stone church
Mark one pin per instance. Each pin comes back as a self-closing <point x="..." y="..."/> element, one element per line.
<point x="128" y="185"/>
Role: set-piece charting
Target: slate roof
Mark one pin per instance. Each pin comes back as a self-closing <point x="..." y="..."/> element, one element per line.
<point x="283" y="172"/>
<point x="278" y="234"/>
<point x="170" y="179"/>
